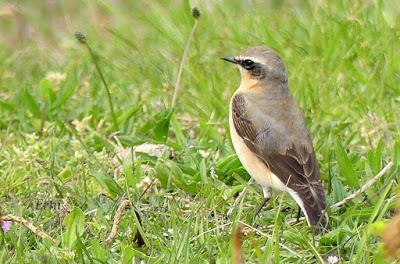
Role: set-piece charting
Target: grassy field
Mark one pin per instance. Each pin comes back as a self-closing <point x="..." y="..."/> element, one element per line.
<point x="67" y="161"/>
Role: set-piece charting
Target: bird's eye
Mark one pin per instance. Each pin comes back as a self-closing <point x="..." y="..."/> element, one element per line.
<point x="248" y="64"/>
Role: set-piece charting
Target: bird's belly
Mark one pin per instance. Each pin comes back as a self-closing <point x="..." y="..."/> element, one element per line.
<point x="254" y="166"/>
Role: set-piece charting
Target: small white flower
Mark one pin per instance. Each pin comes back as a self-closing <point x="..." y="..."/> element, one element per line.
<point x="6" y="226"/>
<point x="204" y="154"/>
<point x="213" y="173"/>
<point x="221" y="130"/>
<point x="56" y="78"/>
<point x="81" y="126"/>
<point x="168" y="232"/>
<point x="333" y="259"/>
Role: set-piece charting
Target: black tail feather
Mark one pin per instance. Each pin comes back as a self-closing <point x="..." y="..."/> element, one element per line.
<point x="313" y="199"/>
<point x="317" y="218"/>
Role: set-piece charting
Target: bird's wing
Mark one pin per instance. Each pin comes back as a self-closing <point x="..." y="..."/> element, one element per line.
<point x="292" y="162"/>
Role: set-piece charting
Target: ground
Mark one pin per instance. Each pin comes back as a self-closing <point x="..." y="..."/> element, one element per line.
<point x="68" y="159"/>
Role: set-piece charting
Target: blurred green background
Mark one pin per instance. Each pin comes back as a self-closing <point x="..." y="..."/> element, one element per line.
<point x="58" y="141"/>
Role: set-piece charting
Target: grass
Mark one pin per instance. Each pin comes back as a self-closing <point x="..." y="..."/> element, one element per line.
<point x="66" y="163"/>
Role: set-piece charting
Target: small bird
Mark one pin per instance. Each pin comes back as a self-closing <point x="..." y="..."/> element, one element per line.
<point x="270" y="136"/>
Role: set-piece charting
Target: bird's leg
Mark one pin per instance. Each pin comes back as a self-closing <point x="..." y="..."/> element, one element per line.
<point x="258" y="210"/>
<point x="298" y="214"/>
<point x="267" y="196"/>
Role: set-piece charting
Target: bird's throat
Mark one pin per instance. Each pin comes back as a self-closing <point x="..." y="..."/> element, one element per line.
<point x="248" y="83"/>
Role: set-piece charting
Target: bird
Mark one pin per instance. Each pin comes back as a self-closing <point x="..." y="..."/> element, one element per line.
<point x="270" y="136"/>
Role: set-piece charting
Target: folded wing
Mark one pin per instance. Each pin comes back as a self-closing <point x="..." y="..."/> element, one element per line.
<point x="292" y="161"/>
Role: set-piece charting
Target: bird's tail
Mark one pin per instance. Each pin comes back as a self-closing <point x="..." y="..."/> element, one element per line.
<point x="317" y="218"/>
<point x="312" y="203"/>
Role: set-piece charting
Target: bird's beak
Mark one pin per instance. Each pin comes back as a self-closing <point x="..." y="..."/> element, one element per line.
<point x="230" y="59"/>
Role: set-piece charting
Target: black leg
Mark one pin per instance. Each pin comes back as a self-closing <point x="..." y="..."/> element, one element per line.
<point x="298" y="215"/>
<point x="258" y="210"/>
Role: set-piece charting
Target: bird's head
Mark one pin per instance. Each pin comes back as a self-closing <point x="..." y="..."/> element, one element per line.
<point x="259" y="65"/>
